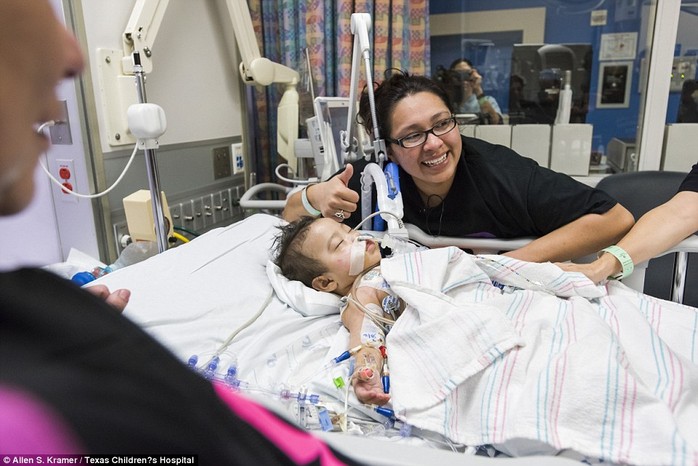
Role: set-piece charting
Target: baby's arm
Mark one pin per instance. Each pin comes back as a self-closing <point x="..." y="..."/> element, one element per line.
<point x="369" y="361"/>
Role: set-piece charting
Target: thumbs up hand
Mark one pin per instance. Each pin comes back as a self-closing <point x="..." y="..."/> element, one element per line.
<point x="333" y="197"/>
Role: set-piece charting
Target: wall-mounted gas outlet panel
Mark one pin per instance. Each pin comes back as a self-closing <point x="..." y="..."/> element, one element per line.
<point x="238" y="158"/>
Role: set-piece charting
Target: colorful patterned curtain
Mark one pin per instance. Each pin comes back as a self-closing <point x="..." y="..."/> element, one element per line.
<point x="286" y="28"/>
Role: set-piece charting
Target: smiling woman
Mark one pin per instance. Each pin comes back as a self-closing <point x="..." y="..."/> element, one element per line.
<point x="420" y="137"/>
<point x="464" y="187"/>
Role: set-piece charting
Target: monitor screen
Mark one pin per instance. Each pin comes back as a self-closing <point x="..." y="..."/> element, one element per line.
<point x="331" y="113"/>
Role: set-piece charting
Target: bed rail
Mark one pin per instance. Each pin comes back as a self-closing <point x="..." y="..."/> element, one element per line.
<point x="477" y="245"/>
<point x="635" y="281"/>
<point x="249" y="200"/>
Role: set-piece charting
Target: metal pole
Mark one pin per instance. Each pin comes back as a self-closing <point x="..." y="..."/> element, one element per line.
<point x="680" y="272"/>
<point x="151" y="164"/>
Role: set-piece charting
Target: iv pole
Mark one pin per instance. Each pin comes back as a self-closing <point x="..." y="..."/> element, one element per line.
<point x="151" y="163"/>
<point x="137" y="41"/>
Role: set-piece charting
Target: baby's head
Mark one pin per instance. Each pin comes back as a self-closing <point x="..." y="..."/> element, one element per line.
<point x="321" y="253"/>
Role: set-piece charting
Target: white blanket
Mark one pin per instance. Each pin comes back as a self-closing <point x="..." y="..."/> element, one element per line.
<point x="213" y="296"/>
<point x="550" y="359"/>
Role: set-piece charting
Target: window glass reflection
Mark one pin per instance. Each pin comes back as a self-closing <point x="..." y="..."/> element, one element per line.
<point x="683" y="91"/>
<point x="527" y="51"/>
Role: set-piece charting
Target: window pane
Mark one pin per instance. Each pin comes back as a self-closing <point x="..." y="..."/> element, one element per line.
<point x="527" y="51"/>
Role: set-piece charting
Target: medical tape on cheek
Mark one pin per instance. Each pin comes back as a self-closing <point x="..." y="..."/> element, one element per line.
<point x="356" y="258"/>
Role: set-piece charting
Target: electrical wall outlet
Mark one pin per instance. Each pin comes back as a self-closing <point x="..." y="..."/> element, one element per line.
<point x="238" y="158"/>
<point x="65" y="169"/>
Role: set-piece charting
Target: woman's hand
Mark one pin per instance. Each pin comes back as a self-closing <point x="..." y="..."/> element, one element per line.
<point x="334" y="196"/>
<point x="118" y="299"/>
<point x="596" y="271"/>
<point x="486" y="107"/>
<point x="476" y="82"/>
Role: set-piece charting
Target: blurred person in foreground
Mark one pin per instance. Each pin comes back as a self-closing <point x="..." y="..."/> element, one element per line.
<point x="76" y="377"/>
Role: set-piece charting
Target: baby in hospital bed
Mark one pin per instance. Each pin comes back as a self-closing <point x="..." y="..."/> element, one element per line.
<point x="329" y="256"/>
<point x="546" y="362"/>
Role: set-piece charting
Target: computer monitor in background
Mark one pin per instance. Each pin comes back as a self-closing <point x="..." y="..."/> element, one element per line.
<point x="536" y="74"/>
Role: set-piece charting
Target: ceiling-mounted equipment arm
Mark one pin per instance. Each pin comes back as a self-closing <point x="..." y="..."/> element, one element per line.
<point x="257" y="70"/>
<point x="254" y="68"/>
<point x="142" y="29"/>
<point x="140" y="33"/>
<point x="360" y="26"/>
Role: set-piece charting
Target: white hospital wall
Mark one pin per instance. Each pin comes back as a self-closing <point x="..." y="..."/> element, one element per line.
<point x="195" y="71"/>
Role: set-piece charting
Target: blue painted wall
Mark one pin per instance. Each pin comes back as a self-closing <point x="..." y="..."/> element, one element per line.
<point x="569" y="22"/>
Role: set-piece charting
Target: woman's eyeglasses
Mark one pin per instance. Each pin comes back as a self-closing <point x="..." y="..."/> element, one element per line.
<point x="420" y="137"/>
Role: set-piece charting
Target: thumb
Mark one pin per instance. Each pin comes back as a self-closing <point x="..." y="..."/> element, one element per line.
<point x="346" y="175"/>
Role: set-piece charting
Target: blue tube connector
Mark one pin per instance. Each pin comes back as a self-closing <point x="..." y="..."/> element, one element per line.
<point x="210" y="371"/>
<point x="193" y="360"/>
<point x="387" y="412"/>
<point x="346" y="355"/>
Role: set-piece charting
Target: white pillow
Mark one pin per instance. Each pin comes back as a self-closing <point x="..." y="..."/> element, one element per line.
<point x="302" y="299"/>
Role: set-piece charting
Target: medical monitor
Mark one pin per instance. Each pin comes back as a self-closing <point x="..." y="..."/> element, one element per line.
<point x="331" y="118"/>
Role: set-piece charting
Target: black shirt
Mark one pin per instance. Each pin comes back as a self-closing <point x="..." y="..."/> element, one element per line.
<point x="119" y="390"/>
<point x="691" y="181"/>
<point x="497" y="193"/>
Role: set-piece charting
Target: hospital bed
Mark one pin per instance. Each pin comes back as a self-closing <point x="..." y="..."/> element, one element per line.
<point x="223" y="309"/>
<point x="220" y="306"/>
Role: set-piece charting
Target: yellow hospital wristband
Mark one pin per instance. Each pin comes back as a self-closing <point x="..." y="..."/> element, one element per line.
<point x="625" y="260"/>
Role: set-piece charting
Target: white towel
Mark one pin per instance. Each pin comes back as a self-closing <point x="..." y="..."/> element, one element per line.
<point x="434" y="345"/>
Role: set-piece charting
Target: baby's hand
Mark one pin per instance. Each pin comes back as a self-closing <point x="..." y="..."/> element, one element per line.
<point x="370" y="391"/>
<point x="366" y="379"/>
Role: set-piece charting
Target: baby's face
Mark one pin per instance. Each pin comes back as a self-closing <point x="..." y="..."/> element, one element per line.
<point x="331" y="243"/>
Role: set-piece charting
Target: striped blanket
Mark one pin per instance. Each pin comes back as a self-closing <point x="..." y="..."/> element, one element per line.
<point x="491" y="350"/>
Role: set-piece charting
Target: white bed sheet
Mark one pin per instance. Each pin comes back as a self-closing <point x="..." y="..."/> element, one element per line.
<point x="214" y="296"/>
<point x="195" y="297"/>
<point x="551" y="362"/>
